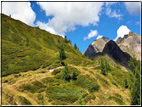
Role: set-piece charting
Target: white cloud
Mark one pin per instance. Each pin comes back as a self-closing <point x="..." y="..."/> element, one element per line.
<point x="133" y="7"/>
<point x="19" y="10"/>
<point x="110" y="3"/>
<point x="91" y="34"/>
<point x="122" y="30"/>
<point x="99" y="36"/>
<point x="66" y="15"/>
<point x="137" y="23"/>
<point x="45" y="26"/>
<point x="114" y="14"/>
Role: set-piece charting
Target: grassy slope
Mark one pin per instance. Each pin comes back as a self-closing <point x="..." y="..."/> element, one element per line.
<point x="25" y="48"/>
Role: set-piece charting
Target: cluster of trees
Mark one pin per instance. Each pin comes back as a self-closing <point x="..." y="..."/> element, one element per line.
<point x="75" y="46"/>
<point x="105" y="67"/>
<point x="135" y="87"/>
<point x="69" y="41"/>
<point x="66" y="75"/>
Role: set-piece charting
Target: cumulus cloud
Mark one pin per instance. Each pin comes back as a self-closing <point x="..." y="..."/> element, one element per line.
<point x="19" y="10"/>
<point x="45" y="26"/>
<point x="133" y="7"/>
<point x="110" y="3"/>
<point x="66" y="15"/>
<point x="114" y="14"/>
<point x="122" y="30"/>
<point x="99" y="36"/>
<point x="92" y="34"/>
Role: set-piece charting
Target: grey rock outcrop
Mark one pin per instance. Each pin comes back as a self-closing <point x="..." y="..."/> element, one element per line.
<point x="131" y="44"/>
<point x="96" y="47"/>
<point x="113" y="50"/>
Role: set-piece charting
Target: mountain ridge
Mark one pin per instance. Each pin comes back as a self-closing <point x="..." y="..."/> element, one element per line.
<point x="113" y="50"/>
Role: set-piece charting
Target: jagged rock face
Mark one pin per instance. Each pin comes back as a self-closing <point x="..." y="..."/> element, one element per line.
<point x="121" y="39"/>
<point x="96" y="47"/>
<point x="90" y="51"/>
<point x="113" y="50"/>
<point x="131" y="44"/>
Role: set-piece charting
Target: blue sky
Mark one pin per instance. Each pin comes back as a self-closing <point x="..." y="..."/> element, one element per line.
<point x="81" y="22"/>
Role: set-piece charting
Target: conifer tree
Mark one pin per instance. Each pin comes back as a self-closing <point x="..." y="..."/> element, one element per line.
<point x="62" y="55"/>
<point x="135" y="88"/>
<point x="65" y="73"/>
<point x="103" y="68"/>
<point x="66" y="39"/>
<point x="75" y="46"/>
<point x="74" y="75"/>
<point x="69" y="41"/>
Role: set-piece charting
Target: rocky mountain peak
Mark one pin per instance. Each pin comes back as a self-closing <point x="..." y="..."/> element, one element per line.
<point x="96" y="47"/>
<point x="119" y="40"/>
<point x="105" y="39"/>
<point x="113" y="50"/>
<point x="131" y="44"/>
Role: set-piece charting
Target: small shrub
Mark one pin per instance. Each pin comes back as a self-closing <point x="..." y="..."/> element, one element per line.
<point x="89" y="97"/>
<point x="65" y="93"/>
<point x="48" y="80"/>
<point x="58" y="76"/>
<point x="88" y="83"/>
<point x="36" y="86"/>
<point x="24" y="101"/>
<point x="65" y="73"/>
<point x="42" y="71"/>
<point x="56" y="71"/>
<point x="105" y="67"/>
<point x="102" y="80"/>
<point x="116" y="99"/>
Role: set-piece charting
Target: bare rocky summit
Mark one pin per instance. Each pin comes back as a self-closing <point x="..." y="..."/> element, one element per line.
<point x="131" y="44"/>
<point x="113" y="50"/>
<point x="96" y="47"/>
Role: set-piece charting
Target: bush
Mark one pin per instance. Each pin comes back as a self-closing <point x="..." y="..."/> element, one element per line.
<point x="36" y="86"/>
<point x="102" y="80"/>
<point x="62" y="53"/>
<point x="56" y="71"/>
<point x="24" y="101"/>
<point x="89" y="97"/>
<point x="105" y="67"/>
<point x="64" y="93"/>
<point x="65" y="73"/>
<point x="135" y="88"/>
<point x="49" y="80"/>
<point x="116" y="99"/>
<point x="73" y="73"/>
<point x="88" y="83"/>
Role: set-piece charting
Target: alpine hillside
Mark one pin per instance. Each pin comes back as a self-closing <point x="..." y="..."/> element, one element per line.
<point x="40" y="68"/>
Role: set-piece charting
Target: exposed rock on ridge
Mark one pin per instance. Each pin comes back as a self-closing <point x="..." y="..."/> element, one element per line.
<point x="113" y="50"/>
<point x="131" y="44"/>
<point x="96" y="47"/>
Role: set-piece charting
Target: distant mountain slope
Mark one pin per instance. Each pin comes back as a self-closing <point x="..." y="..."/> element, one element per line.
<point x="96" y="47"/>
<point x="28" y="48"/>
<point x="131" y="44"/>
<point x="113" y="50"/>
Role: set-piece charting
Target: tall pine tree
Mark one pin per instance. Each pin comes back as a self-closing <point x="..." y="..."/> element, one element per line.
<point x="62" y="54"/>
<point x="65" y="73"/>
<point x="66" y="39"/>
